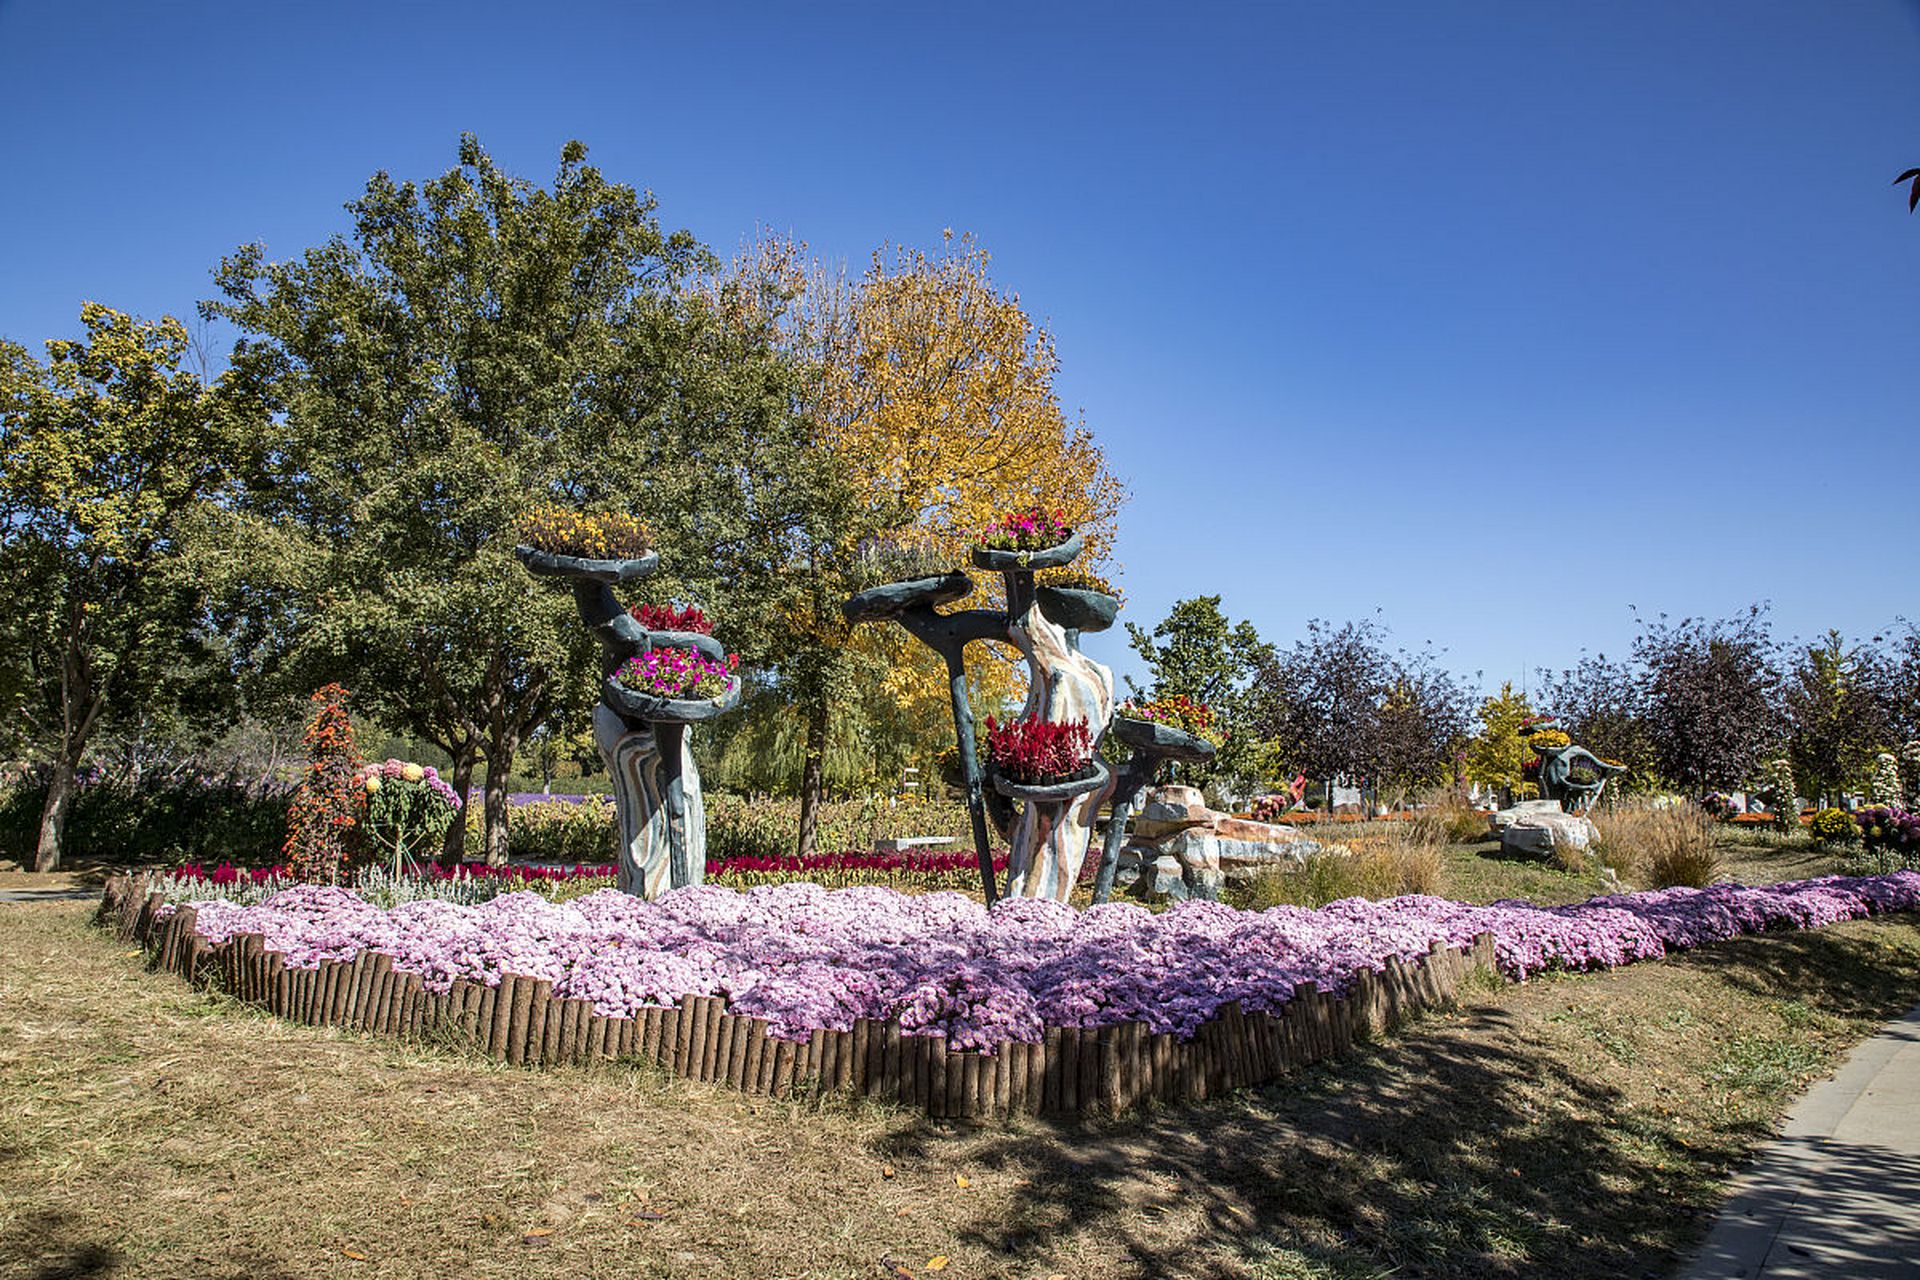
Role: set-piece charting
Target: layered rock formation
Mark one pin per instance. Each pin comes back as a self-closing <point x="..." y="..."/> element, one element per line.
<point x="1182" y="849"/>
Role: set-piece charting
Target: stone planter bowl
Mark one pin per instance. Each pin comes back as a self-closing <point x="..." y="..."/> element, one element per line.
<point x="1057" y="556"/>
<point x="1163" y="740"/>
<point x="635" y="707"/>
<point x="1046" y="791"/>
<point x="548" y="564"/>
<point x="895" y="598"/>
<point x="1077" y="608"/>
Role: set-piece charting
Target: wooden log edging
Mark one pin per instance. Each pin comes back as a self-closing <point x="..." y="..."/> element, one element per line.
<point x="1073" y="1071"/>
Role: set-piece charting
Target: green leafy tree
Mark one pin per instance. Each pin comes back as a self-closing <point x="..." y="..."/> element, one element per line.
<point x="113" y="461"/>
<point x="1197" y="653"/>
<point x="1841" y="708"/>
<point x="1497" y="753"/>
<point x="475" y="347"/>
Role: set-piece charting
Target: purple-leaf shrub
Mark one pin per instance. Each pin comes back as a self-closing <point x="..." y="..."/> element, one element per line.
<point x="803" y="957"/>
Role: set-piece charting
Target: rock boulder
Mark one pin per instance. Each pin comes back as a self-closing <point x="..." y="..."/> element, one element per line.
<point x="1538" y="827"/>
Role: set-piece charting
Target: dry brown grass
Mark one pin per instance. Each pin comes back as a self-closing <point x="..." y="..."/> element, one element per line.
<point x="1576" y="1126"/>
<point x="1659" y="845"/>
<point x="1372" y="860"/>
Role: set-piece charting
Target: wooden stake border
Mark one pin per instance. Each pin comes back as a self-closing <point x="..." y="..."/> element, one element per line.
<point x="1073" y="1071"/>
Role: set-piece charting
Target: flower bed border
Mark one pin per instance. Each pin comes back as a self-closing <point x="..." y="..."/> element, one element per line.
<point x="1076" y="1070"/>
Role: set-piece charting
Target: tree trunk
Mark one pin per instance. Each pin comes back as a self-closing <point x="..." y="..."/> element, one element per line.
<point x="53" y="818"/>
<point x="453" y="850"/>
<point x="495" y="812"/>
<point x="813" y="775"/>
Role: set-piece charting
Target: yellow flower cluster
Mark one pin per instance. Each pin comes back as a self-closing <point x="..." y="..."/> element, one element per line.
<point x="568" y="533"/>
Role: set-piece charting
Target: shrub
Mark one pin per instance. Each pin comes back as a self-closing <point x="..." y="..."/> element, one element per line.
<point x="1660" y="844"/>
<point x="769" y="826"/>
<point x="323" y="819"/>
<point x="1834" y="827"/>
<point x="558" y="831"/>
<point x="1034" y="752"/>
<point x="156" y="820"/>
<point x="1462" y="823"/>
<point x="1396" y="858"/>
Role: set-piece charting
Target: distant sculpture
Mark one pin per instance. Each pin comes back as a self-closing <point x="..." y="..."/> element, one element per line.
<point x="1570" y="775"/>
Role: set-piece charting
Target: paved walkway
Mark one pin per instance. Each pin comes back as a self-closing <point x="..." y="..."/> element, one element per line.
<point x="1838" y="1193"/>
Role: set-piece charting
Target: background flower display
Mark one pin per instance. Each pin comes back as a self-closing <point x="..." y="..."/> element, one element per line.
<point x="1883" y="785"/>
<point x="406" y="807"/>
<point x="1833" y="827"/>
<point x="1889" y="840"/>
<point x="1778" y="789"/>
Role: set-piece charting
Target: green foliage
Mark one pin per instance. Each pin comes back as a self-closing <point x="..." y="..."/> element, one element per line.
<point x="405" y="819"/>
<point x="113" y="461"/>
<point x="478" y="348"/>
<point x="769" y="826"/>
<point x="1834" y="827"/>
<point x="557" y="831"/>
<point x="1196" y="653"/>
<point x="155" y="821"/>
<point x="1841" y="704"/>
<point x="1497" y="753"/>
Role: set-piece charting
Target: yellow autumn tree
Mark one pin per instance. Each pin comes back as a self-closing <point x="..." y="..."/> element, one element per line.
<point x="931" y="398"/>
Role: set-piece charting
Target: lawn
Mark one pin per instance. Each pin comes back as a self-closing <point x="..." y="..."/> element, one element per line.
<point x="1579" y="1125"/>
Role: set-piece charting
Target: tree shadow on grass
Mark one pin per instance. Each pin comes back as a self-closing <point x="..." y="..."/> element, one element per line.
<point x="1455" y="1148"/>
<point x="52" y="1246"/>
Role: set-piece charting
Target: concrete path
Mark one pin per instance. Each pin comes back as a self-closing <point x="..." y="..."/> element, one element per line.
<point x="1838" y="1193"/>
<point x="46" y="895"/>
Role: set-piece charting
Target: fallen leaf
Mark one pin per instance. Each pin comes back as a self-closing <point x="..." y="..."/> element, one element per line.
<point x="960" y="1181"/>
<point x="886" y="1171"/>
<point x="355" y="1254"/>
<point x="938" y="1262"/>
<point x="540" y="1231"/>
<point x="646" y="1215"/>
<point x="901" y="1213"/>
<point x="1058" y="1275"/>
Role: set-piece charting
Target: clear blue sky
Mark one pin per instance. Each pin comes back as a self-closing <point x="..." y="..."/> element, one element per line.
<point x="1497" y="318"/>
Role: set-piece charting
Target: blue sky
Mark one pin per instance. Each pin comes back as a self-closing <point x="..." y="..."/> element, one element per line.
<point x="1499" y="319"/>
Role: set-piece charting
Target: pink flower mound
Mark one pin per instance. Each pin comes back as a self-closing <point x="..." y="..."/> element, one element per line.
<point x="804" y="957"/>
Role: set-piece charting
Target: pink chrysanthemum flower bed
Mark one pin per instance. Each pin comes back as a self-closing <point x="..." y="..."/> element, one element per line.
<point x="803" y="957"/>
